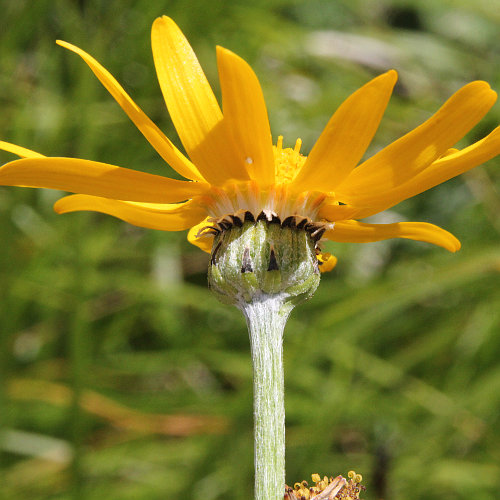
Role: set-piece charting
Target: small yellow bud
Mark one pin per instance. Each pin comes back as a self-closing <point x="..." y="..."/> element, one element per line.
<point x="316" y="478"/>
<point x="351" y="474"/>
<point x="358" y="478"/>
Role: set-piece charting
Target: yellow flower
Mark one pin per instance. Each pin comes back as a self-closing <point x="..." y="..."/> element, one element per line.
<point x="235" y="171"/>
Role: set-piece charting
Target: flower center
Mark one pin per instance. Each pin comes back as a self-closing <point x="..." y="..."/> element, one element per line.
<point x="288" y="161"/>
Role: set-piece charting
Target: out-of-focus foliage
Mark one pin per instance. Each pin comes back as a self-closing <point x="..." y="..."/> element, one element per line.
<point x="123" y="378"/>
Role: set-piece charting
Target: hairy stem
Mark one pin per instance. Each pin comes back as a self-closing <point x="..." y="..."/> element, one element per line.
<point x="266" y="321"/>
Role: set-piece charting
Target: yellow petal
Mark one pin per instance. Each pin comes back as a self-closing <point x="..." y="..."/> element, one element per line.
<point x="440" y="171"/>
<point x="449" y="152"/>
<point x="326" y="261"/>
<point x="460" y="161"/>
<point x="174" y="217"/>
<point x="192" y="105"/>
<point x="201" y="240"/>
<point x="100" y="179"/>
<point x="19" y="151"/>
<point x="334" y="212"/>
<point x="345" y="138"/>
<point x="359" y="232"/>
<point x="412" y="153"/>
<point x="246" y="117"/>
<point x="150" y="131"/>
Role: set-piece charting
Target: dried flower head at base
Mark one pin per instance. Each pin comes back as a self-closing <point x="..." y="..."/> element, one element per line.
<point x="328" y="488"/>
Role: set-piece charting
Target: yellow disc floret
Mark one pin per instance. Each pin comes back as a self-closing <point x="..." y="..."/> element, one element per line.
<point x="287" y="161"/>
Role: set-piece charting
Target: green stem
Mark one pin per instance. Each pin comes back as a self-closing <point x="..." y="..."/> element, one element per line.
<point x="266" y="321"/>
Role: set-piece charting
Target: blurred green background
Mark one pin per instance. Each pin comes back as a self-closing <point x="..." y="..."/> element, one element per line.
<point x="123" y="378"/>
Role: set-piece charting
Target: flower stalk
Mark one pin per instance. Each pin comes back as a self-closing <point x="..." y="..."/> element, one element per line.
<point x="266" y="322"/>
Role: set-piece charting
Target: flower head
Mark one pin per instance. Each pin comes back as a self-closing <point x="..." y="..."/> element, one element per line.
<point x="235" y="173"/>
